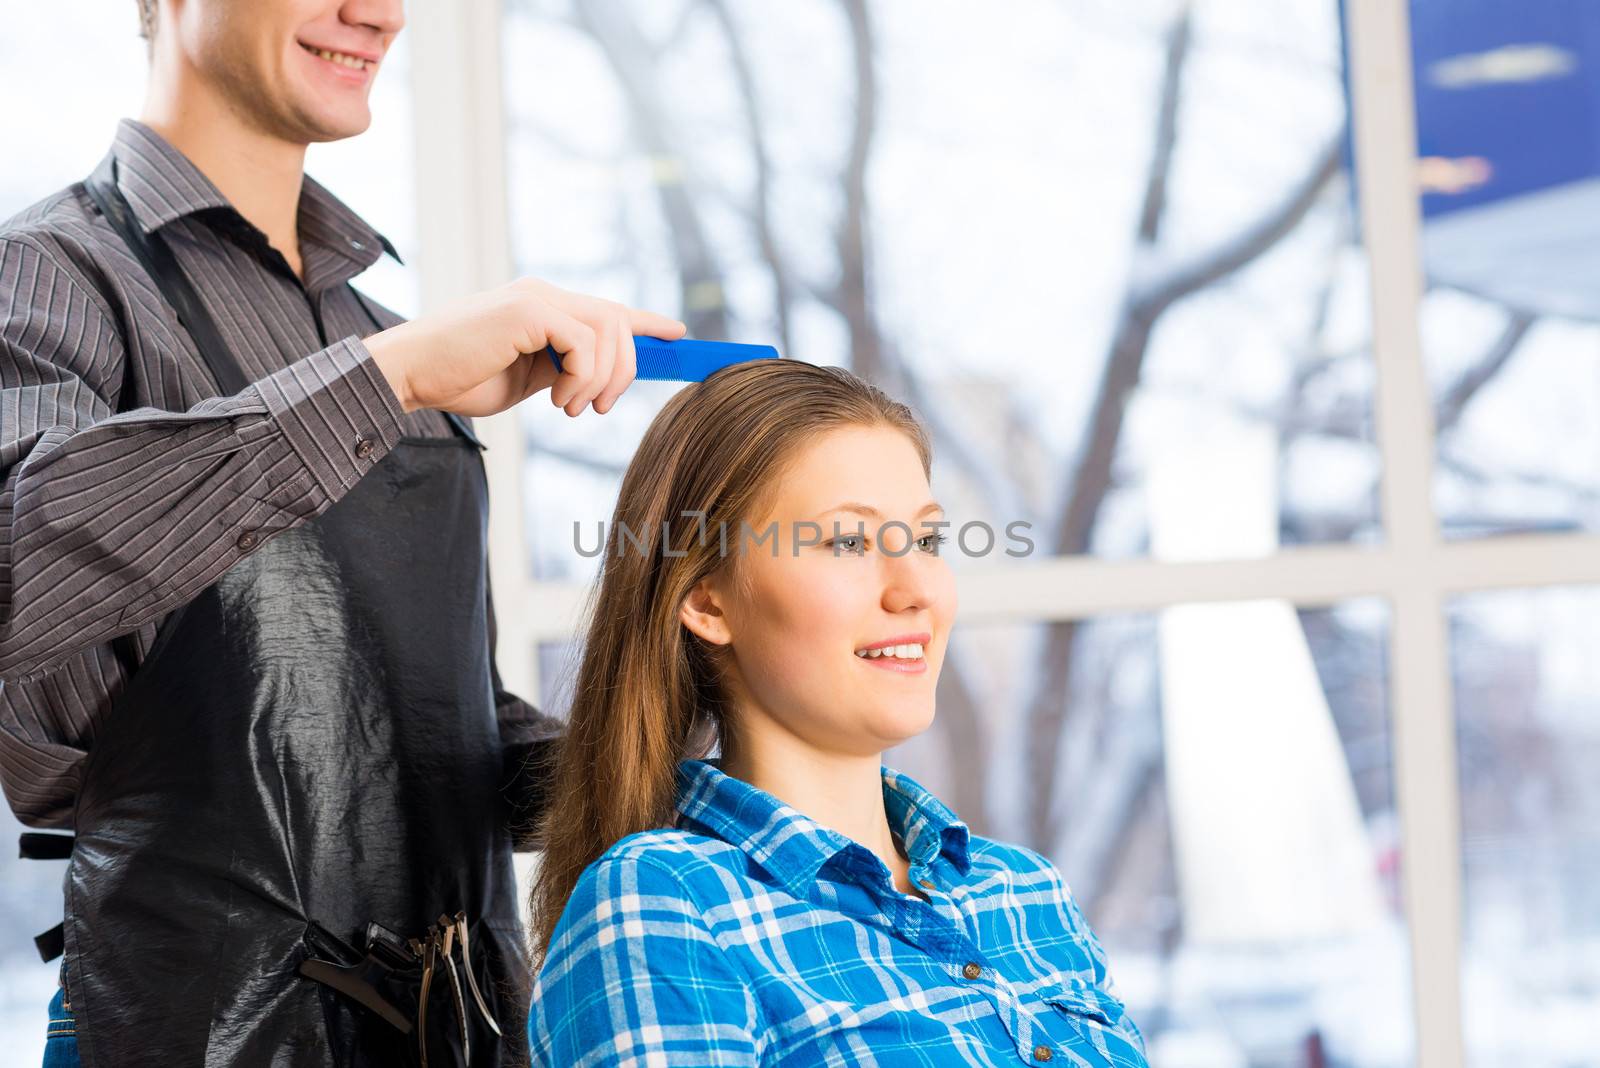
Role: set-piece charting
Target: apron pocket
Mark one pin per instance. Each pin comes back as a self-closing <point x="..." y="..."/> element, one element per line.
<point x="371" y="1000"/>
<point x="358" y="1035"/>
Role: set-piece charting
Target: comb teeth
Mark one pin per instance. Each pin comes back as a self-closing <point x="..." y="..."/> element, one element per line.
<point x="657" y="361"/>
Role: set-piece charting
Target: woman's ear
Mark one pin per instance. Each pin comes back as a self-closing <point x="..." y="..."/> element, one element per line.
<point x="701" y="612"/>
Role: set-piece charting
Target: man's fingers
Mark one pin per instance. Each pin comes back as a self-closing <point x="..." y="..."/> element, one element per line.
<point x="575" y="341"/>
<point x="532" y="373"/>
<point x="623" y="371"/>
<point x="605" y="355"/>
<point x="594" y="339"/>
<point x="649" y="324"/>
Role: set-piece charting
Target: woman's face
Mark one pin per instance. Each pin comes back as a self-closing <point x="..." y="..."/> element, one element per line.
<point x="805" y="606"/>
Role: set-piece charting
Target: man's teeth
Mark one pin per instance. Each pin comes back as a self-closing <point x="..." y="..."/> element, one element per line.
<point x="353" y="62"/>
<point x="912" y="651"/>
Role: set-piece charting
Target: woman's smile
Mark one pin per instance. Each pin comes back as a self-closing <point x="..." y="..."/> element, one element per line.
<point x="918" y="666"/>
<point x="903" y="654"/>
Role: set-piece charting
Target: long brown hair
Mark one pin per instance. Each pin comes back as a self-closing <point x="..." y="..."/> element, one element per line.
<point x="647" y="692"/>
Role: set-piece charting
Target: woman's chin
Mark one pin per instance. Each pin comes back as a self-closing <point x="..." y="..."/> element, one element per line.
<point x="895" y="726"/>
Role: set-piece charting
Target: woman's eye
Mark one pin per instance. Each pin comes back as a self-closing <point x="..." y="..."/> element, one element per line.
<point x="936" y="540"/>
<point x="850" y="543"/>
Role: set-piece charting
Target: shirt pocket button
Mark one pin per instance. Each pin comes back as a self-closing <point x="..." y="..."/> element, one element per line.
<point x="247" y="540"/>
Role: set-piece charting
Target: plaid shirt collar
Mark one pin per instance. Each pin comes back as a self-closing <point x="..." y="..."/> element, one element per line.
<point x="162" y="185"/>
<point x="793" y="847"/>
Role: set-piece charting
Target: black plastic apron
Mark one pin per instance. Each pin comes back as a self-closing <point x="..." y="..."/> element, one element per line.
<point x="306" y="767"/>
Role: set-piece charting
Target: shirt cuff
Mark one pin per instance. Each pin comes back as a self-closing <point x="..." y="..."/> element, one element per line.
<point x="338" y="412"/>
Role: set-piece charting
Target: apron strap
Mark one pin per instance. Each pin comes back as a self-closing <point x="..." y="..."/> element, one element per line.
<point x="153" y="252"/>
<point x="156" y="256"/>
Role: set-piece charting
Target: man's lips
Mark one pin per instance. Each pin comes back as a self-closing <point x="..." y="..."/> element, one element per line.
<point x="355" y="62"/>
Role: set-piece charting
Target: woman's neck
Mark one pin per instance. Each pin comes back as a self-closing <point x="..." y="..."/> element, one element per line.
<point x="843" y="793"/>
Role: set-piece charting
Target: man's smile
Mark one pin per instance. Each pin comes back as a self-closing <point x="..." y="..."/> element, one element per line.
<point x="349" y="61"/>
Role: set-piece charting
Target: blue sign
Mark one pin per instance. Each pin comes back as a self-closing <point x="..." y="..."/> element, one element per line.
<point x="1508" y="147"/>
<point x="1515" y="85"/>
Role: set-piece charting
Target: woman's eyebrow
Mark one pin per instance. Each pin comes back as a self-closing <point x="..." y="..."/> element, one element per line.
<point x="873" y="513"/>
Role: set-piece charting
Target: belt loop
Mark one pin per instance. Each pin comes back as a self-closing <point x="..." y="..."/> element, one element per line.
<point x="52" y="944"/>
<point x="33" y="845"/>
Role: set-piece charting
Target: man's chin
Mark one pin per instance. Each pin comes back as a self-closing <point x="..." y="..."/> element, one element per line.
<point x="321" y="124"/>
<point x="339" y="132"/>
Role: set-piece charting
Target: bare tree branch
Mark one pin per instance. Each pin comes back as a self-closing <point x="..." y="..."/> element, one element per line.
<point x="633" y="62"/>
<point x="851" y="299"/>
<point x="985" y="479"/>
<point x="1350" y="418"/>
<point x="1092" y="475"/>
<point x="1155" y="191"/>
<point x="1215" y="265"/>
<point x="873" y="359"/>
<point x="679" y="30"/>
<point x="760" y="210"/>
<point x="966" y="742"/>
<point x="1450" y="407"/>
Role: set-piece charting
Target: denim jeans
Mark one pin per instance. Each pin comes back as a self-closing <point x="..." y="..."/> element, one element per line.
<point x="61" y="1039"/>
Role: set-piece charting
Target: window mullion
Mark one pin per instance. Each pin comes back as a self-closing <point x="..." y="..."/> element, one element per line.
<point x="1423" y="722"/>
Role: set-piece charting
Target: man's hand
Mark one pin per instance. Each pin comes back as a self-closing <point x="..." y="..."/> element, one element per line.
<point x="483" y="354"/>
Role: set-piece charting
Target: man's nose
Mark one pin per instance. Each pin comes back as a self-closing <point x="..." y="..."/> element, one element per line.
<point x="385" y="16"/>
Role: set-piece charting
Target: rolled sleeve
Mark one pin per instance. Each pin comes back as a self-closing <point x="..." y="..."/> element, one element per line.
<point x="337" y="411"/>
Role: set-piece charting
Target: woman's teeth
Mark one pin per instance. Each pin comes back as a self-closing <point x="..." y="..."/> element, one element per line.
<point x="903" y="652"/>
<point x="353" y="62"/>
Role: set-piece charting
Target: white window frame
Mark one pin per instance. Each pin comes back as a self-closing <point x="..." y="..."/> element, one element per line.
<point x="465" y="245"/>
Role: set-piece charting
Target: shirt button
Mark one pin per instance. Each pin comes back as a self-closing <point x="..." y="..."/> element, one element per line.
<point x="247" y="540"/>
<point x="364" y="448"/>
<point x="358" y="246"/>
<point x="972" y="970"/>
<point x="1042" y="1053"/>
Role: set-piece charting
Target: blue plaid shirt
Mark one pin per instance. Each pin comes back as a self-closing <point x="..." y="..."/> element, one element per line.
<point x="751" y="935"/>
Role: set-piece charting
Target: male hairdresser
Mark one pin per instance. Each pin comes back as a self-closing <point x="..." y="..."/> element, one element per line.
<point x="245" y="622"/>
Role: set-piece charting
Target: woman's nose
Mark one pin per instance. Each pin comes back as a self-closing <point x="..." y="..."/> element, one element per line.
<point x="909" y="581"/>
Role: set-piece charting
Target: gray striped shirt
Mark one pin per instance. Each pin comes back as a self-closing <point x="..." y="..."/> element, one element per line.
<point x="109" y="522"/>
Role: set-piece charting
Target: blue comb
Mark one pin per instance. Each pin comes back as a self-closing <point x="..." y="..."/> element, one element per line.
<point x="685" y="360"/>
